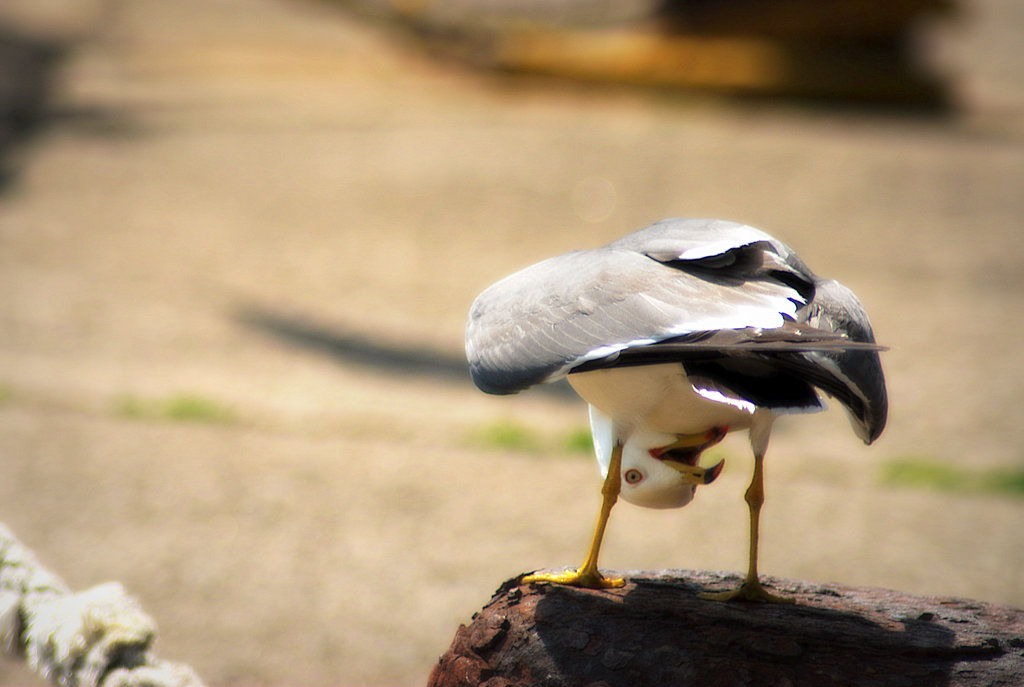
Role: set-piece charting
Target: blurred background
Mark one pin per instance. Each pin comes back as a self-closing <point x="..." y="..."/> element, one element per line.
<point x="239" y="239"/>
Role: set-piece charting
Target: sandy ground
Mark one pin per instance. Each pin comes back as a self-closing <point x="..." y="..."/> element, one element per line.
<point x="276" y="209"/>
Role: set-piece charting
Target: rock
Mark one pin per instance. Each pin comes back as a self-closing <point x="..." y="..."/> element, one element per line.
<point x="657" y="631"/>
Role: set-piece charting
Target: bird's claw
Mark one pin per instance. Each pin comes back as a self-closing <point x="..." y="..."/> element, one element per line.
<point x="750" y="590"/>
<point x="590" y="579"/>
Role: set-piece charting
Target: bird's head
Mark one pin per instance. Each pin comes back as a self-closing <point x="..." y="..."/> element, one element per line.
<point x="660" y="470"/>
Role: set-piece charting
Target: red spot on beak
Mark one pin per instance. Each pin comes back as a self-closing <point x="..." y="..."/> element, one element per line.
<point x="716" y="434"/>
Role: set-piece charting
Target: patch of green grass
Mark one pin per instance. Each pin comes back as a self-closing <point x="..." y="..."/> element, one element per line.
<point x="178" y="408"/>
<point x="507" y="436"/>
<point x="579" y="441"/>
<point x="6" y="394"/>
<point x="921" y="473"/>
<point x="915" y="472"/>
<point x="188" y="408"/>
<point x="1004" y="481"/>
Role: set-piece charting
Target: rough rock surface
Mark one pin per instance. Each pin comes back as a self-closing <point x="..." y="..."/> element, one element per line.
<point x="657" y="631"/>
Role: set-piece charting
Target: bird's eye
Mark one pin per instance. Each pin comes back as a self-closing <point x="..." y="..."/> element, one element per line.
<point x="633" y="476"/>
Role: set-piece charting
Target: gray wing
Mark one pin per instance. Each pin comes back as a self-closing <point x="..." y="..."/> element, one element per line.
<point x="677" y="290"/>
<point x="671" y="279"/>
<point x="854" y="376"/>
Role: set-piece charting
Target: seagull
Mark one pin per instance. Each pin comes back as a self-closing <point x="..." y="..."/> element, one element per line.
<point x="676" y="335"/>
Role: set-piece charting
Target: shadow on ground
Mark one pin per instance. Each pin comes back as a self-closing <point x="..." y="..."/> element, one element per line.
<point x="352" y="347"/>
<point x="27" y="79"/>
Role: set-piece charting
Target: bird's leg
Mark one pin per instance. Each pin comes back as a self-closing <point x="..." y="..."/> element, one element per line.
<point x="588" y="575"/>
<point x="751" y="589"/>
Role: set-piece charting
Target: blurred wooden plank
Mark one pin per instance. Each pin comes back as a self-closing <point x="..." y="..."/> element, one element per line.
<point x="848" y="49"/>
<point x="868" y="70"/>
<point x="800" y="18"/>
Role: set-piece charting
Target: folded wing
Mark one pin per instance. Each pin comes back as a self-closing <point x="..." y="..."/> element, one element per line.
<point x="706" y="293"/>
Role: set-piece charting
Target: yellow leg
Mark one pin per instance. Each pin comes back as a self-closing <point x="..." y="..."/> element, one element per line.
<point x="751" y="589"/>
<point x="588" y="575"/>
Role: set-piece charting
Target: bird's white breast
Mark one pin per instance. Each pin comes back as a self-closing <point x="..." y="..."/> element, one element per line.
<point x="656" y="397"/>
